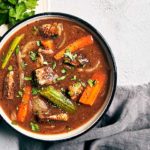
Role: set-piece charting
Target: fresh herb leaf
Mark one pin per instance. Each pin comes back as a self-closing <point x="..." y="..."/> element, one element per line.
<point x="33" y="56"/>
<point x="74" y="78"/>
<point x="23" y="64"/>
<point x="54" y="65"/>
<point x="83" y="84"/>
<point x="10" y="68"/>
<point x="91" y="82"/>
<point x="63" y="71"/>
<point x="28" y="78"/>
<point x="35" y="91"/>
<point x="61" y="78"/>
<point x="34" y="127"/>
<point x="20" y="93"/>
<point x="70" y="55"/>
<point x="38" y="43"/>
<point x="17" y="50"/>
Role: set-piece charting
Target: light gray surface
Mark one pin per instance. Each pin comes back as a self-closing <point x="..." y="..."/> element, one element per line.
<point x="126" y="26"/>
<point x="126" y="126"/>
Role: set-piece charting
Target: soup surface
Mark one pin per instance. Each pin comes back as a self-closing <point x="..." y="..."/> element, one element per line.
<point x="54" y="76"/>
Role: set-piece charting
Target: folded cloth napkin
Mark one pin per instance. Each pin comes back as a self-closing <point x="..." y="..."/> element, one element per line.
<point x="125" y="126"/>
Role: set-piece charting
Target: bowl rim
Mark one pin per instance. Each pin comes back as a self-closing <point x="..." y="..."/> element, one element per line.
<point x="100" y="36"/>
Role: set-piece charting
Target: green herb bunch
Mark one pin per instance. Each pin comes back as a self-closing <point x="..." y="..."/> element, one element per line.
<point x="13" y="11"/>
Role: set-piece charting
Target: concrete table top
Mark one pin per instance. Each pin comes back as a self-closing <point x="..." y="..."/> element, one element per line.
<point x="125" y="25"/>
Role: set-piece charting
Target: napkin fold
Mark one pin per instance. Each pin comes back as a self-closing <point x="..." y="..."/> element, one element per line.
<point x="125" y="126"/>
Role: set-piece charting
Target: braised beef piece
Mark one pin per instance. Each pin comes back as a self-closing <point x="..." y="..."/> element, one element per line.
<point x="9" y="85"/>
<point x="75" y="90"/>
<point x="79" y="61"/>
<point x="38" y="105"/>
<point x="44" y="76"/>
<point x="57" y="117"/>
<point x="51" y="30"/>
<point x="40" y="108"/>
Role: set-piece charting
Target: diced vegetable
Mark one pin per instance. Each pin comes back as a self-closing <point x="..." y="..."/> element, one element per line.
<point x="34" y="127"/>
<point x="24" y="106"/>
<point x="90" y="94"/>
<point x="33" y="56"/>
<point x="38" y="43"/>
<point x="27" y="78"/>
<point x="10" y="68"/>
<point x="11" y="49"/>
<point x="48" y="44"/>
<point x="61" y="78"/>
<point x="35" y="91"/>
<point x="78" y="44"/>
<point x="57" y="98"/>
<point x="91" y="82"/>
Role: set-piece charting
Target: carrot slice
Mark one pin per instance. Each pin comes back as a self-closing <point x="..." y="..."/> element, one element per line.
<point x="24" y="106"/>
<point x="48" y="44"/>
<point x="90" y="93"/>
<point x="78" y="44"/>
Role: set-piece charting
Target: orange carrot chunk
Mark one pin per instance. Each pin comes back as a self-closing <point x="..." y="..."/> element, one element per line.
<point x="78" y="44"/>
<point x="24" y="106"/>
<point x="90" y="93"/>
<point x="48" y="44"/>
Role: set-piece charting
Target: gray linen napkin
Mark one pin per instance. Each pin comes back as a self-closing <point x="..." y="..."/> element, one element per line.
<point x="125" y="126"/>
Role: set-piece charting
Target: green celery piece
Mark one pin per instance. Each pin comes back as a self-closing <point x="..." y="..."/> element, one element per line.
<point x="11" y="49"/>
<point x="57" y="98"/>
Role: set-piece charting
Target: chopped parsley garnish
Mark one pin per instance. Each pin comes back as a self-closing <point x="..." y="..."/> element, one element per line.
<point x="74" y="78"/>
<point x="38" y="43"/>
<point x="70" y="55"/>
<point x="23" y="64"/>
<point x="10" y="68"/>
<point x="17" y="50"/>
<point x="34" y="127"/>
<point x="63" y="71"/>
<point x="91" y="82"/>
<point x="27" y="78"/>
<point x="35" y="91"/>
<point x="54" y="65"/>
<point x="33" y="56"/>
<point x="61" y="78"/>
<point x="83" y="84"/>
<point x="20" y="93"/>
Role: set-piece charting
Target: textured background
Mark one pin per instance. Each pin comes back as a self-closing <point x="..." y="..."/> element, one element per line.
<point x="125" y="24"/>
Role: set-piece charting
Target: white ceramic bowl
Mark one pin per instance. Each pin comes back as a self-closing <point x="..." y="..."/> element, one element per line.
<point x="112" y="87"/>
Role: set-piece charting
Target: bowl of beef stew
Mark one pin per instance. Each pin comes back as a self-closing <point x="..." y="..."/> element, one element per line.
<point x="58" y="76"/>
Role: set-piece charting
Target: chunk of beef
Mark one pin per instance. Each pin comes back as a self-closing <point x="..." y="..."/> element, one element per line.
<point x="44" y="76"/>
<point x="9" y="85"/>
<point x="38" y="105"/>
<point x="56" y="117"/>
<point x="75" y="90"/>
<point x="51" y="30"/>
